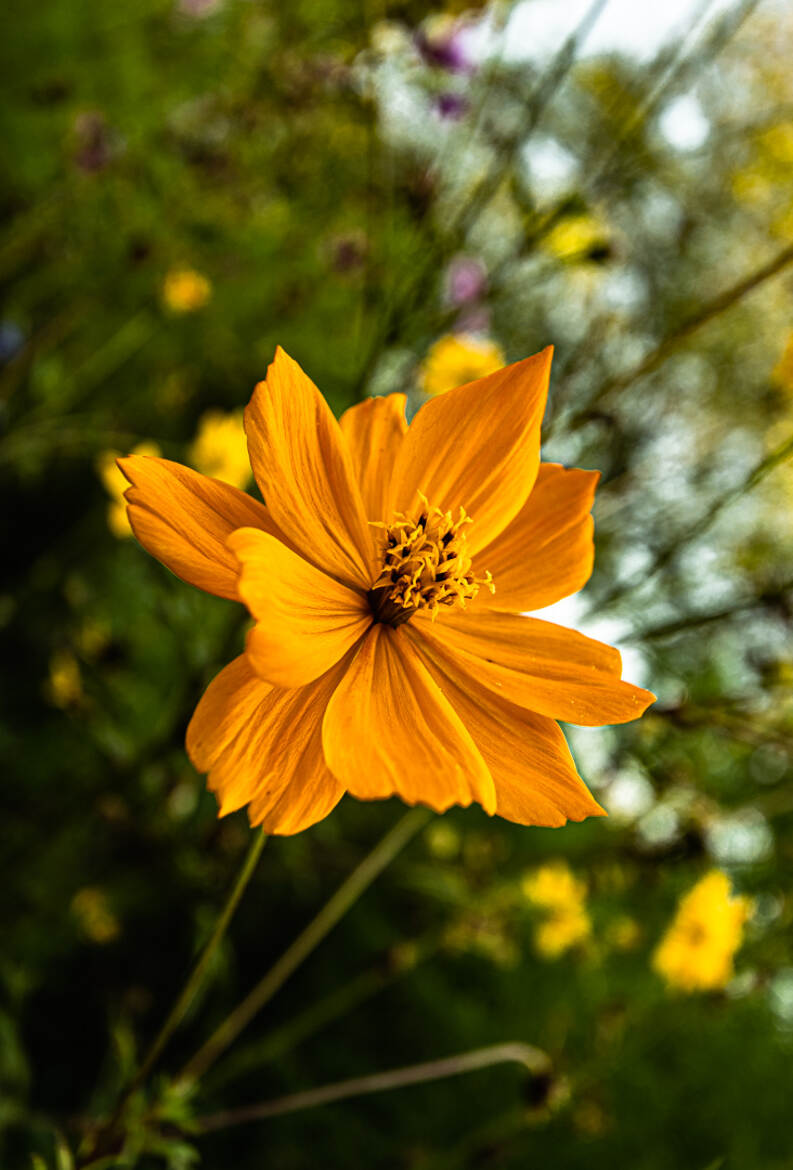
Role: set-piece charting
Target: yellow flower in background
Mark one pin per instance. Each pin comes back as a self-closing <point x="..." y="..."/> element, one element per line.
<point x="696" y="952"/>
<point x="93" y="637"/>
<point x="116" y="484"/>
<point x="763" y="182"/>
<point x="782" y="373"/>
<point x="751" y="186"/>
<point x="554" y="887"/>
<point x="456" y="359"/>
<point x="65" y="685"/>
<point x="184" y="290"/>
<point x="94" y="916"/>
<point x="576" y="236"/>
<point x="220" y="448"/>
<point x="560" y="932"/>
<point x="555" y="890"/>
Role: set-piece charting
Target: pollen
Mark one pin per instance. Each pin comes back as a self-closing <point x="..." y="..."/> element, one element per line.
<point x="426" y="565"/>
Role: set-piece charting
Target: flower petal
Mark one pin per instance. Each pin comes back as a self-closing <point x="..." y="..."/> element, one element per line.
<point x="549" y="669"/>
<point x="389" y="730"/>
<point x="262" y="746"/>
<point x="477" y="447"/>
<point x="305" y="473"/>
<point x="534" y="774"/>
<point x="305" y="620"/>
<point x="374" y="430"/>
<point x="547" y="552"/>
<point x="184" y="519"/>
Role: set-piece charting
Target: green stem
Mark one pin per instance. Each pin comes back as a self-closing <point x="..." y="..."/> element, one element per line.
<point x="532" y="1059"/>
<point x="179" y="1009"/>
<point x="344" y="898"/>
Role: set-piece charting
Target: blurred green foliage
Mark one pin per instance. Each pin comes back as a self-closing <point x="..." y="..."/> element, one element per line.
<point x="322" y="174"/>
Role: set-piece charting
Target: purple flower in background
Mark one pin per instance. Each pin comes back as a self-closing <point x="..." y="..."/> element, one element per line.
<point x="442" y="41"/>
<point x="452" y="106"/>
<point x="466" y="280"/>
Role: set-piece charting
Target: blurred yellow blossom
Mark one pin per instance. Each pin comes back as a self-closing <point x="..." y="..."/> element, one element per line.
<point x="575" y="237"/>
<point x="64" y="686"/>
<point x="763" y="182"/>
<point x="555" y="890"/>
<point x="697" y="950"/>
<point x="554" y="887"/>
<point x="456" y="359"/>
<point x="93" y="637"/>
<point x="94" y="916"/>
<point x="116" y="485"/>
<point x="184" y="290"/>
<point x="561" y="930"/>
<point x="220" y="448"/>
<point x="750" y="185"/>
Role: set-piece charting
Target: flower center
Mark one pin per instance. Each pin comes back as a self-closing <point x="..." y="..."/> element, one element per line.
<point x="425" y="565"/>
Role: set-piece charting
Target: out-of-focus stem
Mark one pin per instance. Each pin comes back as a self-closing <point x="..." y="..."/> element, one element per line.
<point x="96" y="1155"/>
<point x="179" y="1009"/>
<point x="532" y="1059"/>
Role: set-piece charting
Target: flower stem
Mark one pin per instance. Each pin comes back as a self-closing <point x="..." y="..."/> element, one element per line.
<point x="333" y="910"/>
<point x="533" y="1059"/>
<point x="179" y="1009"/>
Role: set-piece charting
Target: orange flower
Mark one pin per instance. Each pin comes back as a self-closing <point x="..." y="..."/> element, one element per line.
<point x="389" y="654"/>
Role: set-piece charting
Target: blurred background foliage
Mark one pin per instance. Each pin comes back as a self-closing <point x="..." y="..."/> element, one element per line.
<point x="399" y="197"/>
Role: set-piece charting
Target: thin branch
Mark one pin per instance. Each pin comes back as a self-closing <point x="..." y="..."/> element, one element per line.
<point x="700" y="526"/>
<point x="773" y="596"/>
<point x="418" y="288"/>
<point x="532" y="1059"/>
<point x="684" y="330"/>
<point x="543" y="93"/>
<point x="681" y="61"/>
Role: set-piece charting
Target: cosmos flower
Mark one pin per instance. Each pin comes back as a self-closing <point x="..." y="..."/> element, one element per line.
<point x="219" y="448"/>
<point x="386" y="574"/>
<point x="457" y="358"/>
<point x="696" y="953"/>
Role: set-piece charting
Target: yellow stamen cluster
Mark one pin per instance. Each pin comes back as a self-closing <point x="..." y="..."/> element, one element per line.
<point x="426" y="564"/>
